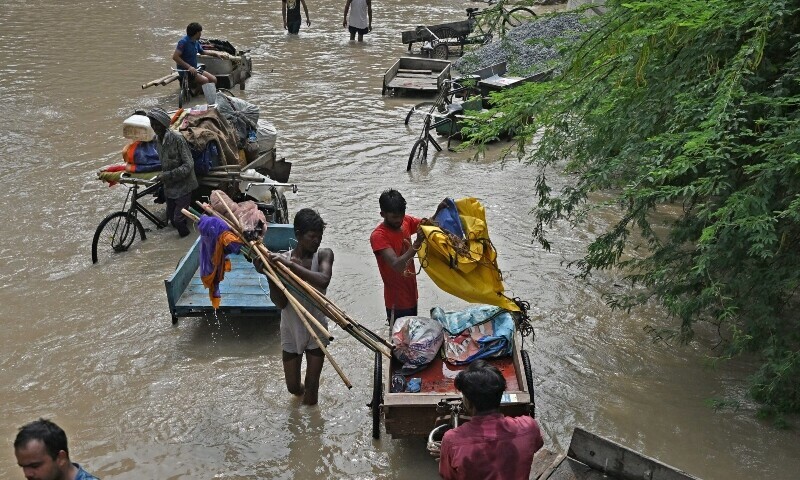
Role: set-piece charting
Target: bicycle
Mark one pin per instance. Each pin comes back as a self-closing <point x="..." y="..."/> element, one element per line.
<point x="497" y="17"/>
<point x="118" y="230"/>
<point x="439" y="112"/>
<point x="185" y="92"/>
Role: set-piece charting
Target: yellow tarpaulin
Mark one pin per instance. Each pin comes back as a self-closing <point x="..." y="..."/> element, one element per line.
<point x="465" y="268"/>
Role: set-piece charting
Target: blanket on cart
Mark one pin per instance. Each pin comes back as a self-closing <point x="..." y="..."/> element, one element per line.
<point x="480" y="331"/>
<point x="199" y="128"/>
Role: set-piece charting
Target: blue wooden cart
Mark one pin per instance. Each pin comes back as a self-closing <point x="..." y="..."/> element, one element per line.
<point x="244" y="291"/>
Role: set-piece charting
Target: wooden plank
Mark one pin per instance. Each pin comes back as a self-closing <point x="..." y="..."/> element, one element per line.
<point x="409" y="70"/>
<point x="414" y="84"/>
<point x="182" y="276"/>
<point x="413" y="75"/>
<point x="416" y="63"/>
<point x="491" y="70"/>
<point x="545" y="462"/>
<point x="616" y="460"/>
<point x="571" y="469"/>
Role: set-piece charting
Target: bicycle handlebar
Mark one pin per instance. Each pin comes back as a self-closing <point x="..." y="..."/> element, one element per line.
<point x="200" y="69"/>
<point x="136" y="181"/>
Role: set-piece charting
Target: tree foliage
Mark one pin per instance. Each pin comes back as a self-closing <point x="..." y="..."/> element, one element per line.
<point x="691" y="103"/>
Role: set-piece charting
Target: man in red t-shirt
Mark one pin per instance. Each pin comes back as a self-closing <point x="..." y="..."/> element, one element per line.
<point x="490" y="446"/>
<point x="391" y="243"/>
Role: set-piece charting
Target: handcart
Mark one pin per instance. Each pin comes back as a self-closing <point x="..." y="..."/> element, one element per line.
<point x="439" y="41"/>
<point x="408" y="415"/>
<point x="412" y="74"/>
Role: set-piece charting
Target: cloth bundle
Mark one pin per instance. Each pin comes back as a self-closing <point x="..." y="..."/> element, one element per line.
<point x="141" y="157"/>
<point x="216" y="242"/>
<point x="480" y="331"/>
<point x="241" y="114"/>
<point x="252" y="220"/>
<point x="200" y="128"/>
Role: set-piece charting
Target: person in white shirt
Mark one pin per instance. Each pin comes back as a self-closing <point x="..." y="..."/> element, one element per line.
<point x="360" y="19"/>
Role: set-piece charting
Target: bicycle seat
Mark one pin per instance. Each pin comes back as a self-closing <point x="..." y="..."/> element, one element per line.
<point x="472" y="10"/>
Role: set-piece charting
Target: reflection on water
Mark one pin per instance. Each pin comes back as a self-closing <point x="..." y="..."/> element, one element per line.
<point x="93" y="346"/>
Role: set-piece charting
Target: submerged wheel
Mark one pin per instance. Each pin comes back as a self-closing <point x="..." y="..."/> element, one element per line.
<point x="115" y="234"/>
<point x="517" y="16"/>
<point x="377" y="396"/>
<point x="418" y="152"/>
<point x="440" y="51"/>
<point x="526" y="364"/>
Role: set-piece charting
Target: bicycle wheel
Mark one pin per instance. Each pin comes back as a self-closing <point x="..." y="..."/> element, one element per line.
<point x="423" y="107"/>
<point x="517" y="16"/>
<point x="115" y="234"/>
<point x="377" y="396"/>
<point x="183" y="92"/>
<point x="418" y="152"/>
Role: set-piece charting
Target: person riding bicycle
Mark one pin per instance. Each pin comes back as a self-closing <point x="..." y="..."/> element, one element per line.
<point x="186" y="52"/>
<point x="177" y="169"/>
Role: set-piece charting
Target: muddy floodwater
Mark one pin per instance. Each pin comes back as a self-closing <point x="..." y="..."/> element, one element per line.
<point x="92" y="346"/>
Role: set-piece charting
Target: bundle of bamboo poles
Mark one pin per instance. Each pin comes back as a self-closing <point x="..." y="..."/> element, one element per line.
<point x="161" y="81"/>
<point x="282" y="276"/>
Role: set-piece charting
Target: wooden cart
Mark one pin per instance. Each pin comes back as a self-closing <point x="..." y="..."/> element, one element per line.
<point x="440" y="41"/>
<point x="422" y="75"/>
<point x="414" y="414"/>
<point x="244" y="291"/>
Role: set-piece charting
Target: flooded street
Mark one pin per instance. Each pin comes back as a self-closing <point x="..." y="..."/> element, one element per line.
<point x="93" y="348"/>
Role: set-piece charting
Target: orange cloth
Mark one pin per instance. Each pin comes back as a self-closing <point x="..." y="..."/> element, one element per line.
<point x="127" y="152"/>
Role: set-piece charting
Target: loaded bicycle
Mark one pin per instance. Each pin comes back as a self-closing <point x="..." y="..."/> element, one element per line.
<point x="436" y="114"/>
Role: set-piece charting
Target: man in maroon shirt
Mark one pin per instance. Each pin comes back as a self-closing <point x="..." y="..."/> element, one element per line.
<point x="391" y="243"/>
<point x="490" y="446"/>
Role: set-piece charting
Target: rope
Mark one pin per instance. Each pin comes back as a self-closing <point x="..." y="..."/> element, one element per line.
<point x="523" y="320"/>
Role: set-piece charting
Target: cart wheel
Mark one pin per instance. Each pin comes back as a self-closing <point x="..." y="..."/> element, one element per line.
<point x="516" y="17"/>
<point x="440" y="51"/>
<point x="424" y="106"/>
<point x="116" y="234"/>
<point x="418" y="152"/>
<point x="377" y="396"/>
<point x="526" y="364"/>
<point x="174" y="320"/>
